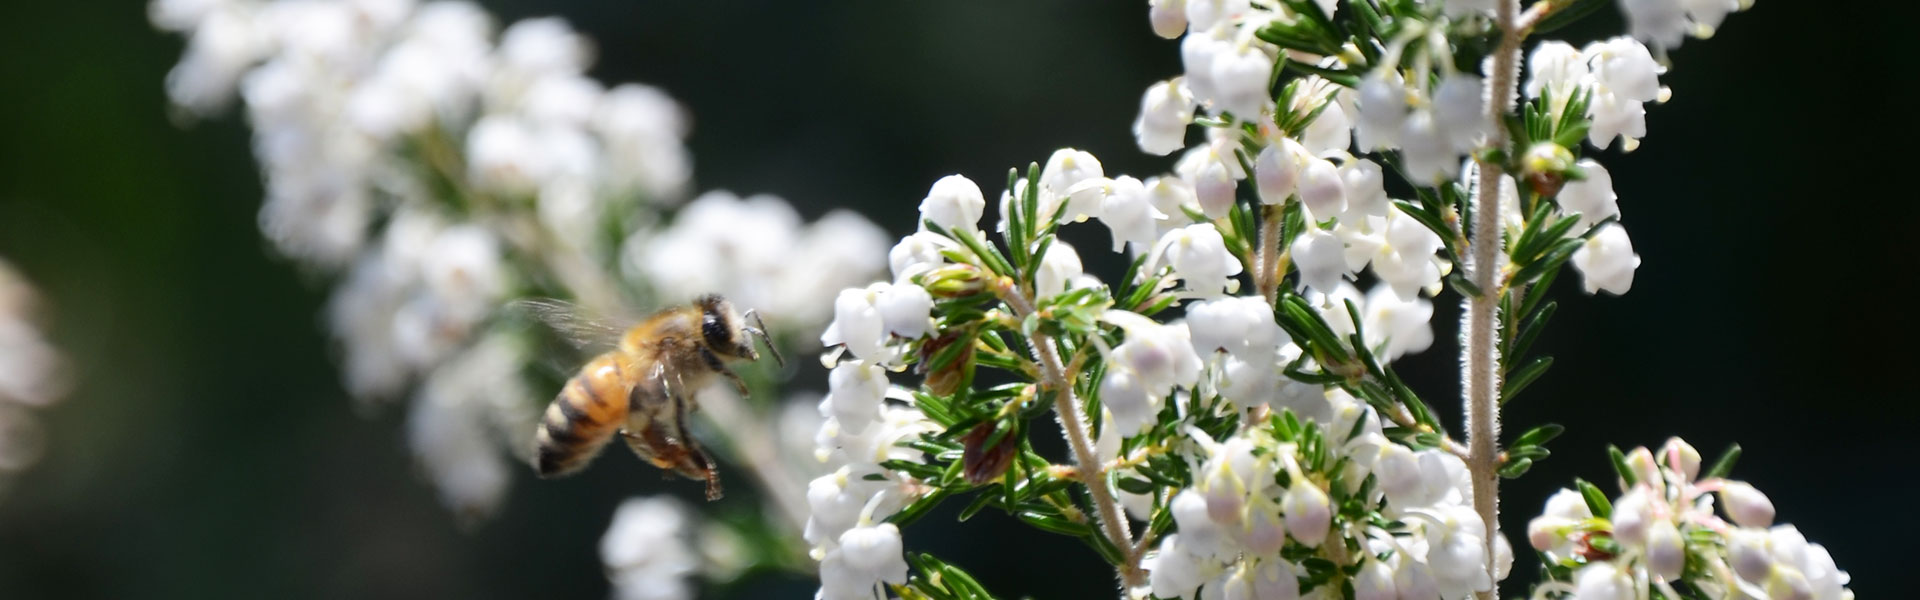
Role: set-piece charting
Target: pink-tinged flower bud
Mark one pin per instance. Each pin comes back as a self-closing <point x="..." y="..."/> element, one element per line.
<point x="1322" y="189"/>
<point x="1169" y="17"/>
<point x="1747" y="553"/>
<point x="1666" y="552"/>
<point x="1308" y="514"/>
<point x="1602" y="581"/>
<point x="1276" y="171"/>
<point x="1746" y="505"/>
<point x="1375" y="582"/>
<point x="1680" y="456"/>
<point x="1632" y="516"/>
<point x="1265" y="533"/>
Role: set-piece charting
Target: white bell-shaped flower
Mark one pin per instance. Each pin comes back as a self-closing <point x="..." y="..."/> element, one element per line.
<point x="1322" y="189"/>
<point x="855" y="392"/>
<point x="1382" y="108"/>
<point x="1240" y="76"/>
<point x="857" y="324"/>
<point x="1059" y="268"/>
<point x="1309" y="515"/>
<point x="1602" y="581"/>
<point x="1321" y="258"/>
<point x="1165" y="111"/>
<point x="906" y="309"/>
<point x="954" y="203"/>
<point x="875" y="553"/>
<point x="1592" y="197"/>
<point x="1062" y="196"/>
<point x="1276" y="170"/>
<point x="1130" y="215"/>
<point x="1606" y="261"/>
<point x="1199" y="257"/>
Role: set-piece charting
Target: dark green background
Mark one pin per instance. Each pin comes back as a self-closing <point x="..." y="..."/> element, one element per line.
<point x="209" y="452"/>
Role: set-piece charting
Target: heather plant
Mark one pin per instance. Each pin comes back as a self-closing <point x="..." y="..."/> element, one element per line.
<point x="1234" y="422"/>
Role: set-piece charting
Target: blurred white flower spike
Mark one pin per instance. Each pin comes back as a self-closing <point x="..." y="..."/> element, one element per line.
<point x="32" y="375"/>
<point x="439" y="166"/>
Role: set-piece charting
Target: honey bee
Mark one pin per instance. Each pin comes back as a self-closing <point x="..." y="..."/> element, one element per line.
<point x="642" y="390"/>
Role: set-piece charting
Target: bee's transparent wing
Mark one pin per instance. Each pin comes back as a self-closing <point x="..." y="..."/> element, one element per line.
<point x="579" y="326"/>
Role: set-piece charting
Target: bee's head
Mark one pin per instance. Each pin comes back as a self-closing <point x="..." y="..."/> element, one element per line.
<point x="727" y="332"/>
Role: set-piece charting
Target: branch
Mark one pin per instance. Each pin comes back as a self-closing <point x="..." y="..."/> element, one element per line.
<point x="1480" y="354"/>
<point x="1073" y="426"/>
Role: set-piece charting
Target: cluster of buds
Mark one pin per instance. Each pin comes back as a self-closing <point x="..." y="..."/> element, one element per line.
<point x="1662" y="535"/>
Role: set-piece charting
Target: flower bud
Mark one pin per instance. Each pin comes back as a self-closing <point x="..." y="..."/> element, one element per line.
<point x="980" y="462"/>
<point x="1545" y="165"/>
<point x="1169" y="17"/>
<point x="1746" y="505"/>
<point x="1213" y="186"/>
<point x="1276" y="171"/>
<point x="1632" y="516"/>
<point x="1322" y="189"/>
<point x="1308" y="515"/>
<point x="1666" y="552"/>
<point x="954" y="281"/>
<point x="1602" y="581"/>
<point x="1681" y="457"/>
<point x="1375" y="582"/>
<point x="1747" y="553"/>
<point x="945" y="380"/>
<point x="1264" y="533"/>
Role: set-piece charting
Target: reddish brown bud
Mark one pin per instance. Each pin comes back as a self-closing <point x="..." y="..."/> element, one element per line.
<point x="945" y="380"/>
<point x="981" y="463"/>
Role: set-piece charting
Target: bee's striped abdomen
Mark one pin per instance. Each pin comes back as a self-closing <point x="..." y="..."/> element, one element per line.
<point x="582" y="418"/>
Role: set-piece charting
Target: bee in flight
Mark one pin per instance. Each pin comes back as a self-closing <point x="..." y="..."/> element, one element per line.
<point x="642" y="389"/>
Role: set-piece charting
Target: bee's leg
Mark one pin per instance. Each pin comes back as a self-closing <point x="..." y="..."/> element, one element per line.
<point x="694" y="462"/>
<point x="713" y="362"/>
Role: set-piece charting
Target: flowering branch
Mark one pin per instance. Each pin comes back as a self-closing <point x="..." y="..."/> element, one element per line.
<point x="1073" y="425"/>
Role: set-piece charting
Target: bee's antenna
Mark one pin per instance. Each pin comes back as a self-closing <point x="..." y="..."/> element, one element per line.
<point x="759" y="328"/>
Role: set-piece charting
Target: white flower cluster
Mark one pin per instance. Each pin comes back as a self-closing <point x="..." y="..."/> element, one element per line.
<point x="1663" y="532"/>
<point x="32" y="376"/>
<point x="647" y="550"/>
<point x="441" y="168"/>
<point x="1667" y="22"/>
<point x="1237" y="517"/>
<point x="1621" y="75"/>
<point x="758" y="253"/>
<point x="860" y="430"/>
<point x="336" y="90"/>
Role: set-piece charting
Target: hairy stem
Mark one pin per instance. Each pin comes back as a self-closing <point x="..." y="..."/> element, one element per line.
<point x="1268" y="262"/>
<point x="1073" y="426"/>
<point x="1480" y="352"/>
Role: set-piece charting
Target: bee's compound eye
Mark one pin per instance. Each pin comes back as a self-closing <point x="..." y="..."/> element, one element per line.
<point x="715" y="331"/>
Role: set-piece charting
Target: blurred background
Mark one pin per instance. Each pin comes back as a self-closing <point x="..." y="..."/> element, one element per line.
<point x="207" y="449"/>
